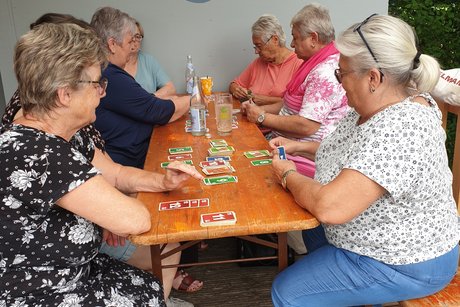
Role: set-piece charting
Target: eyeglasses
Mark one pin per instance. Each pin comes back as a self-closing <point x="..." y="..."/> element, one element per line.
<point x="138" y="37"/>
<point x="259" y="47"/>
<point x="101" y="84"/>
<point x="358" y="29"/>
<point x="338" y="74"/>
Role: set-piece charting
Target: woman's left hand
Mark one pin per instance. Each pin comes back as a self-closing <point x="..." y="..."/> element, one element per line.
<point x="112" y="239"/>
<point x="252" y="111"/>
<point x="281" y="166"/>
<point x="178" y="172"/>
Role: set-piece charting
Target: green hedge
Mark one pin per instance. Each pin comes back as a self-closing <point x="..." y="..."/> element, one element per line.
<point x="437" y="24"/>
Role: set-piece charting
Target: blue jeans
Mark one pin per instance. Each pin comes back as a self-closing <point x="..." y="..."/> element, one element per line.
<point x="330" y="276"/>
<point x="122" y="253"/>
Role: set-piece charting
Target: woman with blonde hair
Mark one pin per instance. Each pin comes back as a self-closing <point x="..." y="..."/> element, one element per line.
<point x="383" y="188"/>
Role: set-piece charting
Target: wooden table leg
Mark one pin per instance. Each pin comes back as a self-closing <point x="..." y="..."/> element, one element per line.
<point x="282" y="251"/>
<point x="155" y="254"/>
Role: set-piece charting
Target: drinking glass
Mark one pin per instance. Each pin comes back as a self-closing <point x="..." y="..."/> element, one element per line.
<point x="224" y="107"/>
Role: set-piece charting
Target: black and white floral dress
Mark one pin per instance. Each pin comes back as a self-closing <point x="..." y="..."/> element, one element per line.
<point x="48" y="255"/>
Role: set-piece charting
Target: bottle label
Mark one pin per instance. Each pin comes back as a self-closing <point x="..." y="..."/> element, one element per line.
<point x="198" y="120"/>
<point x="190" y="86"/>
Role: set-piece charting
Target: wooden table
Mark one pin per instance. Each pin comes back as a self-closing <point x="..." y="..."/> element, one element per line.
<point x="260" y="203"/>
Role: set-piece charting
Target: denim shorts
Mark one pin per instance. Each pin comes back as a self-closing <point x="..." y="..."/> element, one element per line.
<point x="122" y="253"/>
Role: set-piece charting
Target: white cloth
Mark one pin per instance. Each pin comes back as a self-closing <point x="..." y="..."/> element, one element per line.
<point x="448" y="87"/>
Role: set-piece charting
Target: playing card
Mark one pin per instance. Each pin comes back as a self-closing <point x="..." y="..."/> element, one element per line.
<point x="282" y="152"/>
<point x="218" y="151"/>
<point x="165" y="164"/>
<point x="180" y="157"/>
<point x="261" y="162"/>
<point x="214" y="170"/>
<point x="218" y="219"/>
<point x="184" y="204"/>
<point x="188" y="129"/>
<point x="217" y="158"/>
<point x="213" y="163"/>
<point x="180" y="150"/>
<point x="256" y="153"/>
<point x="220" y="180"/>
<point x="218" y="143"/>
<point x="234" y="125"/>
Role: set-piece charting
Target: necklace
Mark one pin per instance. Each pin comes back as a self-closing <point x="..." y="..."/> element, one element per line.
<point x="363" y="119"/>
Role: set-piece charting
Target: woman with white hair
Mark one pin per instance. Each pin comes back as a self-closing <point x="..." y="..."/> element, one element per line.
<point x="266" y="77"/>
<point x="383" y="188"/>
<point x="314" y="101"/>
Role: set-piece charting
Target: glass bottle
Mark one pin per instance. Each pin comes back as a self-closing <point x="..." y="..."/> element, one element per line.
<point x="189" y="74"/>
<point x="197" y="110"/>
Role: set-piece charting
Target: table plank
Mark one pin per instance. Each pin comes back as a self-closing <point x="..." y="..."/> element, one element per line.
<point x="260" y="203"/>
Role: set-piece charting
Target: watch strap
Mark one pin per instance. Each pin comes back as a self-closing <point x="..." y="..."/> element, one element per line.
<point x="284" y="177"/>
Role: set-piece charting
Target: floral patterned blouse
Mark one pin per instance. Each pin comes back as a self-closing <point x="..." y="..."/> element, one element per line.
<point x="402" y="149"/>
<point x="324" y="100"/>
<point x="48" y="255"/>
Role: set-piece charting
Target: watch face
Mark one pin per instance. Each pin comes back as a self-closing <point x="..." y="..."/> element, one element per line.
<point x="261" y="118"/>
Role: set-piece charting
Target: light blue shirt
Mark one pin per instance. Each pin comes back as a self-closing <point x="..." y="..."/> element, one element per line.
<point x="150" y="75"/>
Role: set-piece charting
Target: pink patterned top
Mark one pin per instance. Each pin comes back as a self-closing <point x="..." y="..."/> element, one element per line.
<point x="319" y="98"/>
<point x="323" y="101"/>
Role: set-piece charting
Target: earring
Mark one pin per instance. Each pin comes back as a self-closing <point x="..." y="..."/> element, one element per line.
<point x="372" y="89"/>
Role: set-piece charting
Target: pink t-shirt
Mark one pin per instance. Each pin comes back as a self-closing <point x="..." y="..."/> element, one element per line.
<point x="267" y="78"/>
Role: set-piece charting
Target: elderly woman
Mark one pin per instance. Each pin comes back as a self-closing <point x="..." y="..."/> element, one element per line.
<point x="116" y="247"/>
<point x="314" y="101"/>
<point x="127" y="114"/>
<point x="53" y="215"/>
<point x="383" y="188"/>
<point x="146" y="69"/>
<point x="126" y="117"/>
<point x="266" y="77"/>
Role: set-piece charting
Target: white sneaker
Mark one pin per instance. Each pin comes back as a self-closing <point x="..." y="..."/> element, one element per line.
<point x="176" y="302"/>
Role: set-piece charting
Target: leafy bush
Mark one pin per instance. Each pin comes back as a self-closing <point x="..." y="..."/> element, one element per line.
<point x="437" y="24"/>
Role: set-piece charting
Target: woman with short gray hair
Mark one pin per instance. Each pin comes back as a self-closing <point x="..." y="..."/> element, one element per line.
<point x="126" y="117"/>
<point x="314" y="101"/>
<point x="53" y="218"/>
<point x="265" y="79"/>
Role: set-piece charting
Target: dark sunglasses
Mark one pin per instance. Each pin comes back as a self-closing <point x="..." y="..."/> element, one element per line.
<point x="358" y="29"/>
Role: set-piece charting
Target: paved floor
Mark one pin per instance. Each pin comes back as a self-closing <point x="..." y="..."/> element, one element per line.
<point x="228" y="284"/>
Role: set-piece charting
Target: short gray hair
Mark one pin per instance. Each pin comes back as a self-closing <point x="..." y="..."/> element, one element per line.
<point x="110" y="22"/>
<point x="268" y="25"/>
<point x="51" y="56"/>
<point x="314" y="18"/>
<point x="394" y="44"/>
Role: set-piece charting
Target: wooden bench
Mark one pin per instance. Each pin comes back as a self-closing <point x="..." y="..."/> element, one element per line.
<point x="449" y="296"/>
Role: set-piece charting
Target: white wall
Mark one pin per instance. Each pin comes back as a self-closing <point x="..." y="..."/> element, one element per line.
<point x="216" y="33"/>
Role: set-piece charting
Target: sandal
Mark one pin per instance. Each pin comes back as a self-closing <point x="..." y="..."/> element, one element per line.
<point x="186" y="283"/>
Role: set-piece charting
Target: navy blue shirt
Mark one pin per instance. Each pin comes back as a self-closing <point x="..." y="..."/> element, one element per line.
<point x="126" y="116"/>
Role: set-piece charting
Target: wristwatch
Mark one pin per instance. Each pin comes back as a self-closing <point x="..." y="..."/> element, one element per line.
<point x="261" y="118"/>
<point x="284" y="177"/>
